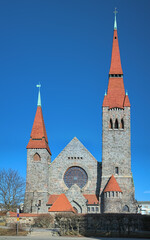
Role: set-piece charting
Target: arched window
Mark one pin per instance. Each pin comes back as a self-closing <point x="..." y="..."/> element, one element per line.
<point x="36" y="157"/>
<point x="116" y="124"/>
<point x="122" y="124"/>
<point x="111" y="124"/>
<point x="125" y="208"/>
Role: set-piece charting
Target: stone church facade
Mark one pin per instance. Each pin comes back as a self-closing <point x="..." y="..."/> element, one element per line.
<point x="75" y="181"/>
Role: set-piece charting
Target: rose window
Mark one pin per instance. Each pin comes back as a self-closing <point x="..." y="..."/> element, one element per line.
<point x="75" y="175"/>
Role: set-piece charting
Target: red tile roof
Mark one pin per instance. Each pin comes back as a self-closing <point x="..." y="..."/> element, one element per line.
<point x="38" y="134"/>
<point x="115" y="66"/>
<point x="62" y="204"/>
<point x="52" y="199"/>
<point x="92" y="198"/>
<point x="112" y="185"/>
<point x="126" y="101"/>
<point x="14" y="214"/>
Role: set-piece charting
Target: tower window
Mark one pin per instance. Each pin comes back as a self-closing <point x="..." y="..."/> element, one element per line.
<point x="39" y="203"/>
<point x="116" y="124"/>
<point x="36" y="157"/>
<point x="116" y="170"/>
<point x="111" y="124"/>
<point x="122" y="124"/>
<point x="116" y="194"/>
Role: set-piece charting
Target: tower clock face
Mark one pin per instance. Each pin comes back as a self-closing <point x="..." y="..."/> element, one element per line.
<point x="75" y="175"/>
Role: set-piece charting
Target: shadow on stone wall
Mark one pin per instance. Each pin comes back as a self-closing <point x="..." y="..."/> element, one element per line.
<point x="106" y="225"/>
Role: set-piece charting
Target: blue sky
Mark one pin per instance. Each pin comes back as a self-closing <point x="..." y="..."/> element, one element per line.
<point x="66" y="46"/>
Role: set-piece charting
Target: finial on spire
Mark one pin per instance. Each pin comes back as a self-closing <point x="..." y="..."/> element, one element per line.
<point x="39" y="95"/>
<point x="126" y="93"/>
<point x="115" y="21"/>
<point x="105" y="93"/>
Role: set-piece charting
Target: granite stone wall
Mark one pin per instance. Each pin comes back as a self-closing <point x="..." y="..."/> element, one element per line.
<point x="37" y="181"/>
<point x="116" y="153"/>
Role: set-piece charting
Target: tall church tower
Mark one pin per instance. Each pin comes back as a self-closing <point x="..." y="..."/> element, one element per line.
<point x="117" y="187"/>
<point x="38" y="161"/>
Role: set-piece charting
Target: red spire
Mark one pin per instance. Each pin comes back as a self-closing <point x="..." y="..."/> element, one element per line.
<point x="115" y="66"/>
<point x="116" y="96"/>
<point x="112" y="185"/>
<point x="38" y="134"/>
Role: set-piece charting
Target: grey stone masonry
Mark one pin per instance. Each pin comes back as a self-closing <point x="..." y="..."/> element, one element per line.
<point x="37" y="184"/>
<point x="116" y="154"/>
<point x="74" y="154"/>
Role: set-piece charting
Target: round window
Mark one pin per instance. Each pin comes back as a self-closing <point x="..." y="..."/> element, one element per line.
<point x="75" y="175"/>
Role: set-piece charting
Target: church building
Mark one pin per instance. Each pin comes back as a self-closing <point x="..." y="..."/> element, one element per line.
<point x="82" y="184"/>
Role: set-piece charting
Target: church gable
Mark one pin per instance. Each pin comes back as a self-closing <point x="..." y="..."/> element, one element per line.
<point x="75" y="150"/>
<point x="74" y="165"/>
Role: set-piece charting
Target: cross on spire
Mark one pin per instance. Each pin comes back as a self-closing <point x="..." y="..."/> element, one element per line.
<point x="115" y="21"/>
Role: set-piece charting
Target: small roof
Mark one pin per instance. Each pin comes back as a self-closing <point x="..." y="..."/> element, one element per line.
<point x="52" y="199"/>
<point x="92" y="199"/>
<point x="62" y="204"/>
<point x="112" y="185"/>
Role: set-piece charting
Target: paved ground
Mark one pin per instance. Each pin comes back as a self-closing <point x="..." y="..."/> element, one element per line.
<point x="32" y="237"/>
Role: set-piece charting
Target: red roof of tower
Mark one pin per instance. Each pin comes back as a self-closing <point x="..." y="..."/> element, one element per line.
<point x="38" y="134"/>
<point x="115" y="66"/>
<point x="116" y="96"/>
<point x="62" y="204"/>
<point x="112" y="185"/>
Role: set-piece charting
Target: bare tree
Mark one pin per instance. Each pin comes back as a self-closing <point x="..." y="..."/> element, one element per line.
<point x="12" y="187"/>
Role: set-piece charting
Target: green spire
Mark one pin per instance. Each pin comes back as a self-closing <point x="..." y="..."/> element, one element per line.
<point x="39" y="95"/>
<point x="115" y="21"/>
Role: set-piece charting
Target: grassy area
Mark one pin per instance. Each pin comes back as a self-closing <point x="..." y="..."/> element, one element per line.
<point x="12" y="232"/>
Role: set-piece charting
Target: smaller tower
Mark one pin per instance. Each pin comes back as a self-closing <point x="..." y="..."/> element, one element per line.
<point x="112" y="197"/>
<point x="38" y="160"/>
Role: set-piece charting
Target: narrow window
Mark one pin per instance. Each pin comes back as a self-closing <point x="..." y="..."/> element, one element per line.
<point x="113" y="194"/>
<point x="39" y="203"/>
<point x="116" y="170"/>
<point x="36" y="157"/>
<point x="116" y="124"/>
<point x="88" y="209"/>
<point x="122" y="124"/>
<point x="93" y="209"/>
<point x="116" y="194"/>
<point x="97" y="209"/>
<point x="111" y="124"/>
<point x="31" y="205"/>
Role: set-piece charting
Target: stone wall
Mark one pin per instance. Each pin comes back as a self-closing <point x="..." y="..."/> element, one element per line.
<point x="116" y="153"/>
<point x="37" y="181"/>
<point x="74" y="154"/>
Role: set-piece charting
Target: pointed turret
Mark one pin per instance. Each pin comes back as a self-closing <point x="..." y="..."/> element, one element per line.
<point x="38" y="136"/>
<point x="116" y="96"/>
<point x="112" y="185"/>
